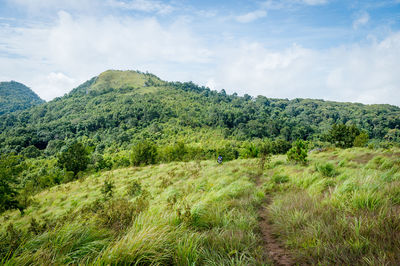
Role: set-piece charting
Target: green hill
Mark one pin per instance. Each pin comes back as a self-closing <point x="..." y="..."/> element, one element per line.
<point x="119" y="108"/>
<point x="15" y="96"/>
<point x="123" y="170"/>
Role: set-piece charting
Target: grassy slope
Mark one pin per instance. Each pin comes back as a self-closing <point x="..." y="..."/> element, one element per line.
<point x="348" y="215"/>
<point x="344" y="213"/>
<point x="213" y="221"/>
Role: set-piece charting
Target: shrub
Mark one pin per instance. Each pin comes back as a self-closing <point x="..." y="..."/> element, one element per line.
<point x="361" y="140"/>
<point x="100" y="163"/>
<point x="298" y="152"/>
<point x="118" y="214"/>
<point x="228" y="152"/>
<point x="107" y="189"/>
<point x="280" y="179"/>
<point x="134" y="189"/>
<point x="280" y="146"/>
<point x="326" y="169"/>
<point x="249" y="150"/>
<point x="144" y="153"/>
<point x="265" y="152"/>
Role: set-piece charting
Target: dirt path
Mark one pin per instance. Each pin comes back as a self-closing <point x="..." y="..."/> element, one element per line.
<point x="274" y="248"/>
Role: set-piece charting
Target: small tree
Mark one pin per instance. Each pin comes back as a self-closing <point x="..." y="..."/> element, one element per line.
<point x="265" y="152"/>
<point x="144" y="153"/>
<point x="74" y="159"/>
<point x="361" y="140"/>
<point x="107" y="189"/>
<point x="10" y="168"/>
<point x="343" y="136"/>
<point x="298" y="152"/>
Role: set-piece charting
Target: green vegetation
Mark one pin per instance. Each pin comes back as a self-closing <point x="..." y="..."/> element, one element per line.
<point x="118" y="109"/>
<point x="15" y="96"/>
<point x="74" y="158"/>
<point x="298" y="153"/>
<point x="123" y="170"/>
<point x="342" y="208"/>
<point x="204" y="214"/>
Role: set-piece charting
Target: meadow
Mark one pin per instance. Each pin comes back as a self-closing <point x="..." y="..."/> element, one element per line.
<point x="342" y="207"/>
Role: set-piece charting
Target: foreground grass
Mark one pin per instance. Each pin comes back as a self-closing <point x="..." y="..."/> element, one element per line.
<point x="343" y="208"/>
<point x="182" y="213"/>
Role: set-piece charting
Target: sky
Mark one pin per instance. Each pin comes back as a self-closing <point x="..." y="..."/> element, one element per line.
<point x="322" y="49"/>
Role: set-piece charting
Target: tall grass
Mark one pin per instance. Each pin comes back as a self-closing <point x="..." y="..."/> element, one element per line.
<point x="350" y="218"/>
<point x="178" y="213"/>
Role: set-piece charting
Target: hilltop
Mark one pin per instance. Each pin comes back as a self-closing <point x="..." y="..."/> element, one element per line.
<point x="15" y="96"/>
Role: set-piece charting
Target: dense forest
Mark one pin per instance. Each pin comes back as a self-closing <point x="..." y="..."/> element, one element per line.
<point x="119" y="108"/>
<point x="15" y="96"/>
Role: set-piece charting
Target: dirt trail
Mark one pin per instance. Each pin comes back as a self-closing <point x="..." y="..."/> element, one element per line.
<point x="275" y="250"/>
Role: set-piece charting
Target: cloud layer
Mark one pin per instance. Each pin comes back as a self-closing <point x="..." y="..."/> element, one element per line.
<point x="54" y="57"/>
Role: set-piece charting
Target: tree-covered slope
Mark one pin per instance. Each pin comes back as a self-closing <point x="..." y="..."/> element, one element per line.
<point x="120" y="107"/>
<point x="16" y="96"/>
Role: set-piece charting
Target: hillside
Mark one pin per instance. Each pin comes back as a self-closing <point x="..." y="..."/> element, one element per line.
<point x="119" y="108"/>
<point x="341" y="208"/>
<point x="15" y="96"/>
<point x="122" y="170"/>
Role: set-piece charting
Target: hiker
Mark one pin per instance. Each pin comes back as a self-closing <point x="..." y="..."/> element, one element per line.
<point x="219" y="159"/>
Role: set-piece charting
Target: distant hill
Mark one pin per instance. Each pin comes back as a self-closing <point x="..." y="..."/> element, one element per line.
<point x="15" y="96"/>
<point x="118" y="108"/>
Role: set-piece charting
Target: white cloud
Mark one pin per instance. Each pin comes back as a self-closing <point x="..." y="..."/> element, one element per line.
<point x="251" y="16"/>
<point x="53" y="85"/>
<point x="90" y="6"/>
<point x="82" y="47"/>
<point x="54" y="58"/>
<point x="313" y="2"/>
<point x="361" y="20"/>
<point x="368" y="74"/>
<point x="142" y="5"/>
<point x="281" y="4"/>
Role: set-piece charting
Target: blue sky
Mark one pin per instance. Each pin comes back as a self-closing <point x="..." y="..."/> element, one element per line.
<point x="325" y="49"/>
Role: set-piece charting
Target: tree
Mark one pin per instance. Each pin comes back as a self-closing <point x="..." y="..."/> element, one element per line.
<point x="265" y="152"/>
<point x="343" y="136"/>
<point x="74" y="159"/>
<point x="10" y="167"/>
<point x="144" y="153"/>
<point x="361" y="140"/>
<point x="298" y="152"/>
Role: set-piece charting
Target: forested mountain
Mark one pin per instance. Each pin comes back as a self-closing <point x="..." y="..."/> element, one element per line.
<point x="118" y="108"/>
<point x="16" y="96"/>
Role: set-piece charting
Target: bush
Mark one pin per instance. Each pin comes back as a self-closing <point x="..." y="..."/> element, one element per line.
<point x="134" y="189"/>
<point x="326" y="169"/>
<point x="100" y="163"/>
<point x="107" y="189"/>
<point x="280" y="146"/>
<point x="298" y="152"/>
<point x="176" y="152"/>
<point x="228" y="152"/>
<point x="361" y="140"/>
<point x="144" y="153"/>
<point x="280" y="179"/>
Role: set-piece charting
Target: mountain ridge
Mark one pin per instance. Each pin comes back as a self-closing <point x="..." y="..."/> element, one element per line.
<point x="15" y="96"/>
<point x="122" y="107"/>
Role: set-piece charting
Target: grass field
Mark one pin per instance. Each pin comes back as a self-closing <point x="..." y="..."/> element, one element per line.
<point x="341" y="208"/>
